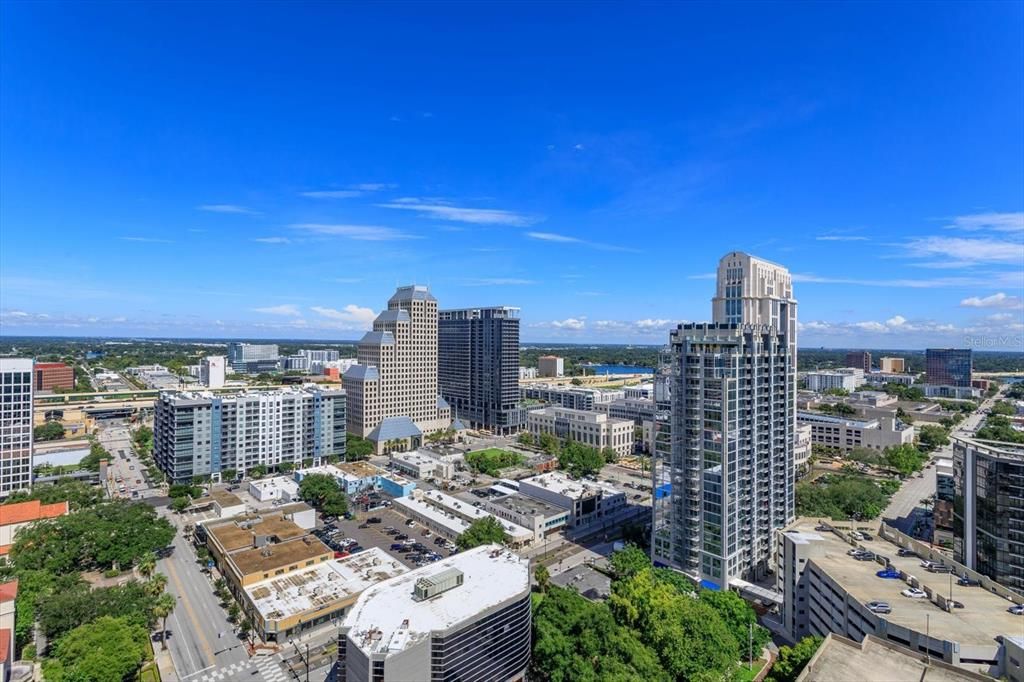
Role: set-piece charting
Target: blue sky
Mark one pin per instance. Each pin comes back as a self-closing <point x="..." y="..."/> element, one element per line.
<point x="273" y="170"/>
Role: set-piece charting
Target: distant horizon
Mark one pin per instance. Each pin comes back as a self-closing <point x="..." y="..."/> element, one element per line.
<point x="6" y="338"/>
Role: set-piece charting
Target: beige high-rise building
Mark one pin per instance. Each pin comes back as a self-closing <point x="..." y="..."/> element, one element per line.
<point x="392" y="393"/>
<point x="892" y="365"/>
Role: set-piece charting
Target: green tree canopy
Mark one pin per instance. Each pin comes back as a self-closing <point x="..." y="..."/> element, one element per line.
<point x="104" y="650"/>
<point x="492" y="460"/>
<point x="61" y="612"/>
<point x="932" y="436"/>
<point x="323" y="492"/>
<point x="525" y="438"/>
<point x="483" y="531"/>
<point x="110" y="534"/>
<point x="792" y="659"/>
<point x="905" y="458"/>
<point x="357" y="448"/>
<point x="841" y="496"/>
<point x="580" y="460"/>
<point x="548" y="443"/>
<point x="741" y="620"/>
<point x="78" y="494"/>
<point x="629" y="561"/>
<point x="51" y="430"/>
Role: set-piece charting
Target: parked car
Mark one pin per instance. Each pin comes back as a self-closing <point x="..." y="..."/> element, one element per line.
<point x="955" y="604"/>
<point x="823" y="528"/>
<point x="866" y="536"/>
<point x="374" y="519"/>
<point x="914" y="593"/>
<point x="410" y="523"/>
<point x="865" y="556"/>
<point x="355" y="548"/>
<point x="856" y="535"/>
<point x="401" y="536"/>
<point x="1017" y="609"/>
<point x="939" y="568"/>
<point x="906" y="552"/>
<point x="879" y="607"/>
<point x="388" y="529"/>
<point x="967" y="581"/>
<point x="396" y="546"/>
<point x="426" y="533"/>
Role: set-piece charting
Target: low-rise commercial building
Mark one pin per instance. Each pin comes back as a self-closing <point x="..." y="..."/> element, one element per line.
<point x="394" y="485"/>
<point x="872" y="398"/>
<point x="575" y="397"/>
<point x="955" y="392"/>
<point x="847" y="379"/>
<point x="589" y="428"/>
<point x="882" y="378"/>
<point x="353" y="477"/>
<point x="637" y="410"/>
<point x="422" y="464"/>
<point x="588" y="503"/>
<point x="845" y="434"/>
<point x="225" y="504"/>
<point x="450" y="517"/>
<point x="14" y="517"/>
<point x="537" y="515"/>
<point x="826" y="590"/>
<point x="276" y="488"/>
<point x="466" y="617"/>
<point x="283" y="606"/>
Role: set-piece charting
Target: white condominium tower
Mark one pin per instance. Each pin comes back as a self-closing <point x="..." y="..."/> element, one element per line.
<point x="392" y="392"/>
<point x="15" y="425"/>
<point x="734" y="425"/>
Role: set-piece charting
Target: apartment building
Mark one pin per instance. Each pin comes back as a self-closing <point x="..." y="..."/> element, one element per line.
<point x="396" y="378"/>
<point x="550" y="366"/>
<point x="861" y="359"/>
<point x="466" y="617"/>
<point x="844" y="434"/>
<point x="50" y="376"/>
<point x="16" y="441"/>
<point x="318" y="360"/>
<point x="948" y="366"/>
<point x="892" y="365"/>
<point x="988" y="508"/>
<point x="733" y="425"/>
<point x="574" y="397"/>
<point x="478" y="367"/>
<point x="589" y="428"/>
<point x="202" y="434"/>
<point x="847" y="379"/>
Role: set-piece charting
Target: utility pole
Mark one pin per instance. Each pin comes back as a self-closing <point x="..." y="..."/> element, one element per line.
<point x="927" y="643"/>
<point x="750" y="647"/>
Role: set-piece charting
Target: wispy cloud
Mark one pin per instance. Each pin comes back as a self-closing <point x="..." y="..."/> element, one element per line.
<point x="711" y="275"/>
<point x="366" y="233"/>
<point x="461" y="214"/>
<point x="286" y="309"/>
<point x="146" y="240"/>
<point x="998" y="222"/>
<point x="350" y="191"/>
<point x="227" y="208"/>
<point x="987" y="279"/>
<point x="966" y="250"/>
<point x="273" y="240"/>
<point x="346" y="280"/>
<point x="655" y="326"/>
<point x="999" y="300"/>
<point x="566" y="239"/>
<point x="349" y="317"/>
<point x="497" y="281"/>
<point x="840" y="238"/>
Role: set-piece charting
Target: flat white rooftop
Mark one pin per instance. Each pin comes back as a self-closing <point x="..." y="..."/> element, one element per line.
<point x="286" y="483"/>
<point x="560" y="483"/>
<point x="386" y="618"/>
<point x="466" y="509"/>
<point x="323" y="584"/>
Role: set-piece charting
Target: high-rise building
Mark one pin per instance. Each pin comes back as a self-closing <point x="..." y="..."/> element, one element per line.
<point x="948" y="366"/>
<point x="466" y="618"/>
<point x="988" y="509"/>
<point x="317" y="360"/>
<point x="202" y="434"/>
<point x="734" y="424"/>
<point x="478" y="367"/>
<point x="16" y="379"/>
<point x="892" y="365"/>
<point x="252" y="358"/>
<point x="50" y="376"/>
<point x="550" y="366"/>
<point x="211" y="371"/>
<point x="392" y="392"/>
<point x="861" y="359"/>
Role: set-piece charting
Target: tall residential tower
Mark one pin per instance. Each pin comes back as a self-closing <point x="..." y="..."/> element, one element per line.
<point x="478" y="367"/>
<point x="392" y="392"/>
<point x="734" y="424"/>
<point x="15" y="424"/>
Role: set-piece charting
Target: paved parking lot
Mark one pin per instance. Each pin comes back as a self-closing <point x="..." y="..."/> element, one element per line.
<point x="374" y="535"/>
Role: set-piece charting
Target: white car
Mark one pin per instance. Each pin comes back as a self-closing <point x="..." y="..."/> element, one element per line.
<point x="914" y="593"/>
<point x="1017" y="609"/>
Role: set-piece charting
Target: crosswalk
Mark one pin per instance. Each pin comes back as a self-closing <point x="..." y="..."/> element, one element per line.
<point x="268" y="670"/>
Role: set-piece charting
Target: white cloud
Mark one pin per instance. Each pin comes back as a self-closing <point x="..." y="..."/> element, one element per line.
<point x="840" y="238"/>
<point x="712" y="275"/>
<point x="346" y="280"/>
<point x="273" y="240"/>
<point x="459" y="214"/>
<point x="498" y="281"/>
<point x="570" y="323"/>
<point x="147" y="240"/>
<point x="982" y="279"/>
<point x="966" y="250"/>
<point x="349" y="317"/>
<point x="999" y="300"/>
<point x="566" y="239"/>
<point x="286" y="309"/>
<point x="998" y="222"/>
<point x="227" y="208"/>
<point x="350" y="192"/>
<point x="646" y="327"/>
<point x="367" y="233"/>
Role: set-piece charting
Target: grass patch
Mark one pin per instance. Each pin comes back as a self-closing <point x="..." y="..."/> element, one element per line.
<point x="747" y="675"/>
<point x="493" y="460"/>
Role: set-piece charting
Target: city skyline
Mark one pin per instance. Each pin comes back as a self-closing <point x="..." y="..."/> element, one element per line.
<point x="197" y="196"/>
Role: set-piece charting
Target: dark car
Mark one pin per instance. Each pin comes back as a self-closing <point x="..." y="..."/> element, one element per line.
<point x="397" y="546"/>
<point x="967" y="581"/>
<point x="439" y="540"/>
<point x="355" y="548"/>
<point x="955" y="604"/>
<point x="906" y="552"/>
<point x="364" y="525"/>
<point x="374" y="519"/>
<point x="401" y="536"/>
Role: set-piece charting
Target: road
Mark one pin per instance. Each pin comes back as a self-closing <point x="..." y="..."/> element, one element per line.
<point x="116" y="438"/>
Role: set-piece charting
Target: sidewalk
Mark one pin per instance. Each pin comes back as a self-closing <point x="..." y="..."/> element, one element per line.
<point x="164" y="664"/>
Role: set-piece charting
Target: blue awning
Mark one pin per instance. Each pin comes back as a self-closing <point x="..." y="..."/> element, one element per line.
<point x="708" y="585"/>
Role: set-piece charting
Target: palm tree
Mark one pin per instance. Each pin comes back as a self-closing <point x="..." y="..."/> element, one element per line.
<point x="146" y="564"/>
<point x="161" y="609"/>
<point x="155" y="585"/>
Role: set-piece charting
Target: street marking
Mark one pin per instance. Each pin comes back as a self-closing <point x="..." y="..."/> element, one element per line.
<point x="191" y="614"/>
<point x="178" y="628"/>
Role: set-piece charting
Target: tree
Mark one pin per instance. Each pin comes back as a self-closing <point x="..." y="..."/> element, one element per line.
<point x="146" y="564"/>
<point x="526" y="438"/>
<point x="286" y="467"/>
<point x="156" y="585"/>
<point x="548" y="443"/>
<point x="323" y="492"/>
<point x="92" y="460"/>
<point x="483" y="531"/>
<point x="610" y="455"/>
<point x="180" y="504"/>
<point x="542" y="576"/>
<point x="837" y="392"/>
<point x="234" y="611"/>
<point x="1001" y="407"/>
<point x="629" y="561"/>
<point x="77" y="493"/>
<point x="932" y="436"/>
<point x="741" y="620"/>
<point x="905" y="458"/>
<point x="162" y="609"/>
<point x="576" y="381"/>
<point x="357" y="448"/>
<point x="258" y="471"/>
<point x="842" y="496"/>
<point x="580" y="460"/>
<point x="493" y="460"/>
<point x="51" y="430"/>
<point x="245" y="628"/>
<point x="792" y="659"/>
<point x="105" y="650"/>
<point x="62" y="611"/>
<point x="228" y="474"/>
